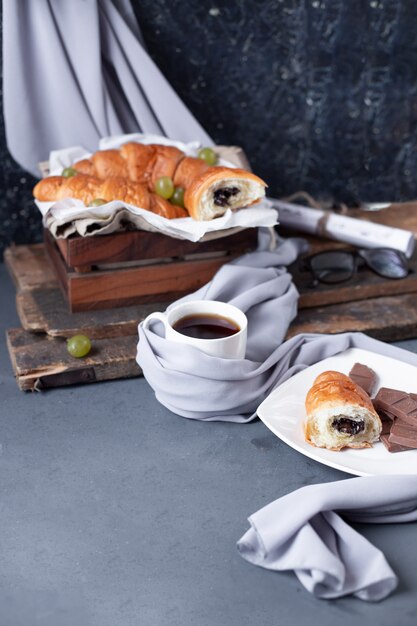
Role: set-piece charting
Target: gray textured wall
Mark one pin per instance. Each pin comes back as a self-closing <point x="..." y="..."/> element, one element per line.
<point x="322" y="94"/>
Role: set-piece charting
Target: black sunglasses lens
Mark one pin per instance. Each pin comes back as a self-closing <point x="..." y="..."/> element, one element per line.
<point x="333" y="267"/>
<point x="387" y="263"/>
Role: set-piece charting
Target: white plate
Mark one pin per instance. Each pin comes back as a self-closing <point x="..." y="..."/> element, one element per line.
<point x="283" y="412"/>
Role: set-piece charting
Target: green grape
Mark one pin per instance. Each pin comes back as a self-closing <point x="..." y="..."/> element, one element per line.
<point x="68" y="172"/>
<point x="208" y="155"/>
<point x="177" y="197"/>
<point x="97" y="202"/>
<point x="79" y="345"/>
<point x="164" y="187"/>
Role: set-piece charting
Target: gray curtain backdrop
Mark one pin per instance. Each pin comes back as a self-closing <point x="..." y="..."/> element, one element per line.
<point x="77" y="71"/>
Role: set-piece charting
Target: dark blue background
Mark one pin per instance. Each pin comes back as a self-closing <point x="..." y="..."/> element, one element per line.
<point x="321" y="94"/>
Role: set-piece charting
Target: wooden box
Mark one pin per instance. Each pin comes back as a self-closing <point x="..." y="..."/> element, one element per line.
<point x="134" y="267"/>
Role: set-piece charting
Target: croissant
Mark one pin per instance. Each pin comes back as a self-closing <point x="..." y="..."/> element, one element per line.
<point x="86" y="166"/>
<point x="166" y="209"/>
<point x="124" y="190"/>
<point x="139" y="159"/>
<point x="89" y="188"/>
<point x="109" y="164"/>
<point x="222" y="188"/>
<point x="340" y="414"/>
<point x="187" y="170"/>
<point x="85" y="188"/>
<point x="165" y="163"/>
<point x="116" y="163"/>
<point x="137" y="162"/>
<point x="125" y="175"/>
<point x="47" y="188"/>
<point x="53" y="188"/>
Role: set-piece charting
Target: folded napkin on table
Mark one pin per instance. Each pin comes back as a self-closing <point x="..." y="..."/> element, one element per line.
<point x="198" y="386"/>
<point x="303" y="531"/>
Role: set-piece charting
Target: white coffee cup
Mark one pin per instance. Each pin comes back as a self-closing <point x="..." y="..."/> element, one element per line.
<point x="230" y="347"/>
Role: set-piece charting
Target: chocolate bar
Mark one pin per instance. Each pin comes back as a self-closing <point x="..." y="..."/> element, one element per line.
<point x="403" y="434"/>
<point x="386" y="424"/>
<point x="400" y="404"/>
<point x="363" y="376"/>
<point x="385" y="415"/>
<point x="391" y="446"/>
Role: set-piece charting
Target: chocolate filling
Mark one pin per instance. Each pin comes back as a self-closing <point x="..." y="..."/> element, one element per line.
<point x="221" y="196"/>
<point x="348" y="426"/>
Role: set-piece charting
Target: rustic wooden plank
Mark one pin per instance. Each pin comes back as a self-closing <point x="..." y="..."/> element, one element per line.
<point x="40" y="361"/>
<point x="136" y="245"/>
<point x="389" y="318"/>
<point x="29" y="267"/>
<point x="46" y="310"/>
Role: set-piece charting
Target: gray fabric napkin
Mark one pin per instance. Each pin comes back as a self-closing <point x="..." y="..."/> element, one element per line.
<point x="304" y="532"/>
<point x="77" y="71"/>
<point x="199" y="386"/>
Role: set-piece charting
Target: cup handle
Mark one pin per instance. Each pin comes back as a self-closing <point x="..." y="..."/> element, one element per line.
<point x="155" y="316"/>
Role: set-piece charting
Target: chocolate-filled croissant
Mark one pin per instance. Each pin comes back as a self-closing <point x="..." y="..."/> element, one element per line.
<point x="340" y="414"/>
<point x="220" y="188"/>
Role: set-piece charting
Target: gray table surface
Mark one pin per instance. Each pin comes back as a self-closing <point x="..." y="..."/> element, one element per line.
<point x="116" y="512"/>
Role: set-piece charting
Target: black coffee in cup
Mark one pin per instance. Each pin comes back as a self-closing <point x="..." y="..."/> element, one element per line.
<point x="206" y="326"/>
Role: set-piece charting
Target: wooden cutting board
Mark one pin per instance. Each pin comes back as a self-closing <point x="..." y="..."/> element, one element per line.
<point x="40" y="361"/>
<point x="38" y="350"/>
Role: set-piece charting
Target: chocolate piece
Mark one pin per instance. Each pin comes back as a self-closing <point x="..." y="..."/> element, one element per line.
<point x="397" y="403"/>
<point x="391" y="446"/>
<point x="348" y="426"/>
<point x="404" y="434"/>
<point x="386" y="424"/>
<point x="363" y="376"/>
<point x="385" y="415"/>
<point x="222" y="196"/>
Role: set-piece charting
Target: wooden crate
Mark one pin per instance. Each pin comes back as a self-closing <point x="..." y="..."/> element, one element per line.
<point x="136" y="267"/>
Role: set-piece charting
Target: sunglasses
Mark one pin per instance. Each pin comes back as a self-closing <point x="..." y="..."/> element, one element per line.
<point x="337" y="266"/>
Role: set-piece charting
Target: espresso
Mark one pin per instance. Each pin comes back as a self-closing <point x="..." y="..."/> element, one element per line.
<point x="206" y="326"/>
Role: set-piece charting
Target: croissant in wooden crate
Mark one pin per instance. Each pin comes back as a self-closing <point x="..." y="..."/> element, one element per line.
<point x="221" y="188"/>
<point x="209" y="191"/>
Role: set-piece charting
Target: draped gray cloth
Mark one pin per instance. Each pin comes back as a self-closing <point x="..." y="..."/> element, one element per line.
<point x="199" y="386"/>
<point x="304" y="531"/>
<point x="76" y="71"/>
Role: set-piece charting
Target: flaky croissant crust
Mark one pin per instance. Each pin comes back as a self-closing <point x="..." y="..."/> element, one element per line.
<point x="89" y="188"/>
<point x="335" y="387"/>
